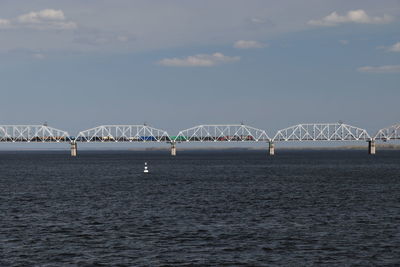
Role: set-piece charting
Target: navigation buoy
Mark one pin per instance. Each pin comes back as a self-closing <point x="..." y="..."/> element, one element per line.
<point x="145" y="168"/>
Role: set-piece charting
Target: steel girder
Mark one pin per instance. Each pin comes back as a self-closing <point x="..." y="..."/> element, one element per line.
<point x="32" y="133"/>
<point x="222" y="133"/>
<point x="123" y="133"/>
<point x="389" y="133"/>
<point x="322" y="132"/>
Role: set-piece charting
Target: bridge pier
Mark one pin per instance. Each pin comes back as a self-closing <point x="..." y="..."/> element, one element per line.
<point x="74" y="149"/>
<point x="271" y="149"/>
<point x="371" y="147"/>
<point x="173" y="149"/>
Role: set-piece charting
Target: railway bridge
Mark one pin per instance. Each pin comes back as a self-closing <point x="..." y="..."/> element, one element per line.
<point x="216" y="133"/>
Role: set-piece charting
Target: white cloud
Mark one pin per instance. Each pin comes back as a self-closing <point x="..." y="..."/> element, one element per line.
<point x="201" y="60"/>
<point x="38" y="17"/>
<point x="4" y="23"/>
<point x="257" y="22"/>
<point x="242" y="44"/>
<point x="381" y="69"/>
<point x="395" y="47"/>
<point x="353" y="16"/>
<point x="41" y="20"/>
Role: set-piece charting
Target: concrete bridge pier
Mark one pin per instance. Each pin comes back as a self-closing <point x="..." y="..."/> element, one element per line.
<point x="371" y="147"/>
<point x="74" y="149"/>
<point x="173" y="149"/>
<point x="271" y="149"/>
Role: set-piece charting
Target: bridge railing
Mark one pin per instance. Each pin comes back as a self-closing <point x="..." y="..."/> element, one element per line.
<point x="32" y="133"/>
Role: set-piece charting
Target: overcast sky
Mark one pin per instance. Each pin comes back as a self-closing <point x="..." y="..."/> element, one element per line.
<point x="176" y="64"/>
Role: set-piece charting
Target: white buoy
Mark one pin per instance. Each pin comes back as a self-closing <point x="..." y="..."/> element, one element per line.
<point x="145" y="168"/>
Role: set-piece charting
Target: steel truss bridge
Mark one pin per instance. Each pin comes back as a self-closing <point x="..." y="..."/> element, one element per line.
<point x="200" y="134"/>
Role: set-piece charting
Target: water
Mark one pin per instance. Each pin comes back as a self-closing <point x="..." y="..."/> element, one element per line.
<point x="205" y="208"/>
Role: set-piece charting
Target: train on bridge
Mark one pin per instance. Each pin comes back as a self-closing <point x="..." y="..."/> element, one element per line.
<point x="202" y="133"/>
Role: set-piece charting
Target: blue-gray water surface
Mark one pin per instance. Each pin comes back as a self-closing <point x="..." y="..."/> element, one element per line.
<point x="298" y="208"/>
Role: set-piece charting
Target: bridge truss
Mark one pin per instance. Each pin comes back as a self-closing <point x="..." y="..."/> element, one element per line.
<point x="123" y="133"/>
<point x="200" y="133"/>
<point x="222" y="133"/>
<point x="389" y="133"/>
<point x="322" y="132"/>
<point x="32" y="133"/>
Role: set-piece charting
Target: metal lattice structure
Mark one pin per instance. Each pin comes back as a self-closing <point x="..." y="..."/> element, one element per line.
<point x="322" y="132"/>
<point x="389" y="133"/>
<point x="222" y="133"/>
<point x="123" y="133"/>
<point x="32" y="133"/>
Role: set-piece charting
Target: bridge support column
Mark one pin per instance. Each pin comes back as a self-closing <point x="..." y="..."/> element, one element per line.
<point x="173" y="149"/>
<point x="271" y="149"/>
<point x="371" y="147"/>
<point x="74" y="149"/>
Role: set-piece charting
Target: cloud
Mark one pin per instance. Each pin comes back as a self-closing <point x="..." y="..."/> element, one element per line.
<point x="38" y="17"/>
<point x="201" y="60"/>
<point x="344" y="42"/>
<point x="353" y="16"/>
<point x="259" y="23"/>
<point x="4" y="23"/>
<point x="394" y="48"/>
<point x="380" y="69"/>
<point x="247" y="20"/>
<point x="41" y="20"/>
<point x="242" y="44"/>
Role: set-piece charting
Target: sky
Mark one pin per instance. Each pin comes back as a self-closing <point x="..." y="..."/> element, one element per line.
<point x="175" y="64"/>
